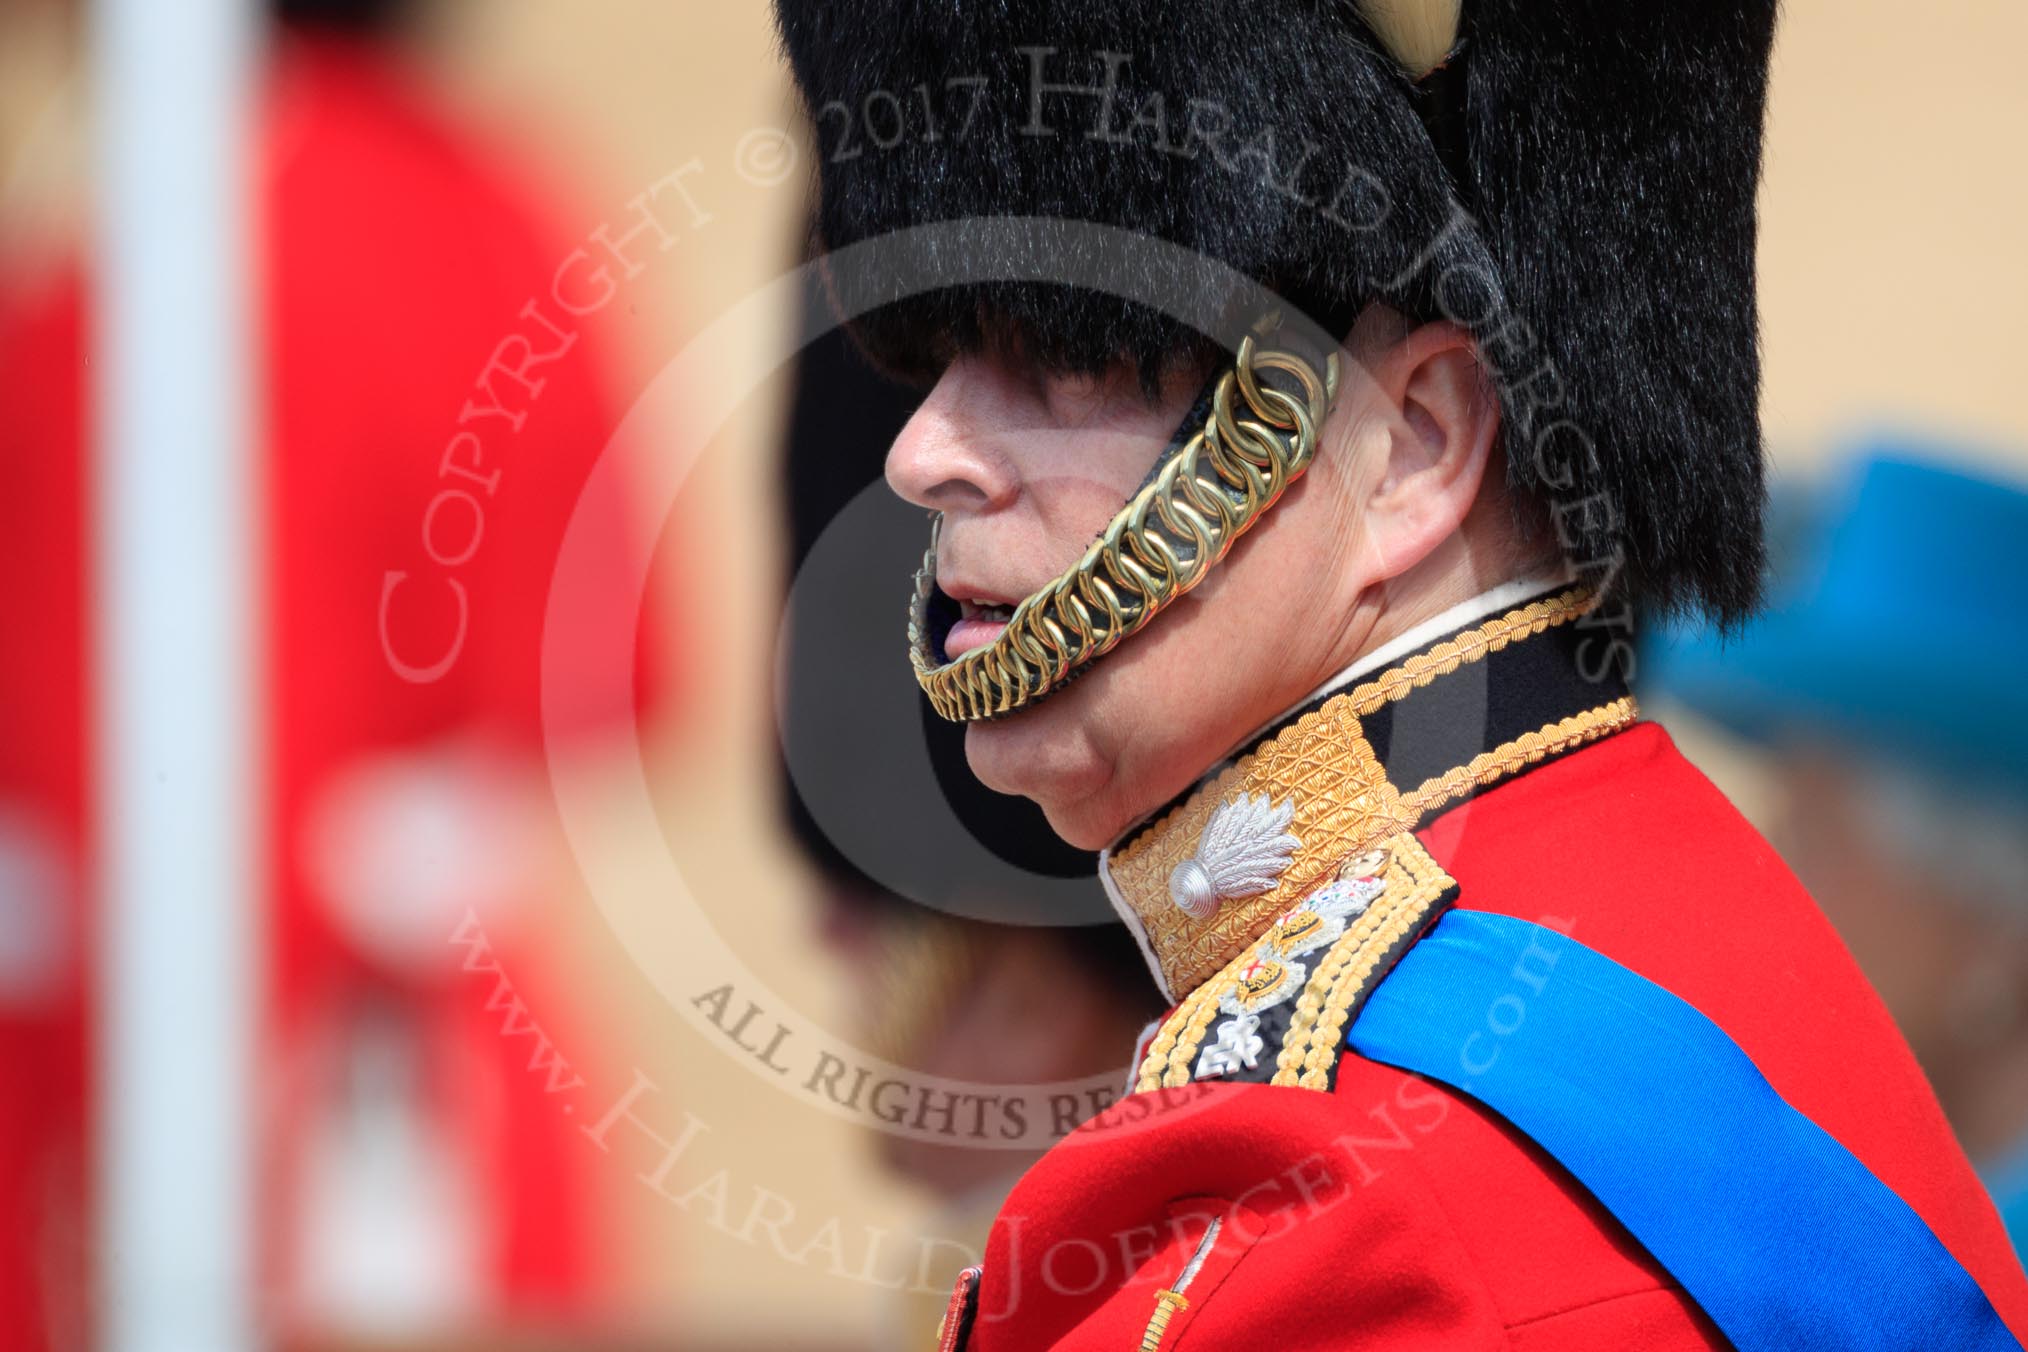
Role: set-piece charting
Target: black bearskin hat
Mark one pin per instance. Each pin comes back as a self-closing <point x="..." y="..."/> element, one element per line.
<point x="1574" y="181"/>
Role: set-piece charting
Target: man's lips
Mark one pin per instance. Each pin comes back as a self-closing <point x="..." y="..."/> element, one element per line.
<point x="968" y="634"/>
<point x="982" y="614"/>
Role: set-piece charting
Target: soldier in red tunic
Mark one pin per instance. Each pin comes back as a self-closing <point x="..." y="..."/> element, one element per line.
<point x="1418" y="341"/>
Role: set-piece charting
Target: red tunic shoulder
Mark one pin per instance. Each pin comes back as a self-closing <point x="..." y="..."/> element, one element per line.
<point x="1395" y="1213"/>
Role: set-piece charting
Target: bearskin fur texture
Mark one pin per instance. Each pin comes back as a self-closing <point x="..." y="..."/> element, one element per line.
<point x="1601" y="247"/>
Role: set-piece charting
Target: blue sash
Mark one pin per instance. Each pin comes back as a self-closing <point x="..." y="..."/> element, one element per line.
<point x="1783" y="1238"/>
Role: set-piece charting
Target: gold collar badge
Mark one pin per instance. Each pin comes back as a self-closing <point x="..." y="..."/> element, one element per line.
<point x="1277" y="892"/>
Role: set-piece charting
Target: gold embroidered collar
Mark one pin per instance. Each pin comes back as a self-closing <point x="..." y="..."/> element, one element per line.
<point x="1352" y="771"/>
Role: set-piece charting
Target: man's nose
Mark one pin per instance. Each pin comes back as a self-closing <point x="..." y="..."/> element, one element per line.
<point x="944" y="458"/>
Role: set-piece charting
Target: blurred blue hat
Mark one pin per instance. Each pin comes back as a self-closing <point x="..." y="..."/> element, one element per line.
<point x="1897" y="625"/>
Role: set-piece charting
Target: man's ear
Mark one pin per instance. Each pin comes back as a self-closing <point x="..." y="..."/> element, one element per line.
<point x="1431" y="436"/>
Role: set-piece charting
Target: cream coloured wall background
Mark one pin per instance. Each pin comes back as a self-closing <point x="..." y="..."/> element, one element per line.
<point x="1893" y="282"/>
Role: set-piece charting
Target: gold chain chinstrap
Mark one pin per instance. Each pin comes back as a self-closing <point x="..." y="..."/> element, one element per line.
<point x="1206" y="494"/>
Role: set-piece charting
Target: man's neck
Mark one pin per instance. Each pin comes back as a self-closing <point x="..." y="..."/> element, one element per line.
<point x="1410" y="628"/>
<point x="1404" y="623"/>
<point x="1409" y="730"/>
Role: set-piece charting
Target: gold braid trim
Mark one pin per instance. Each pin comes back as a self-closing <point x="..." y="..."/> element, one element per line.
<point x="1343" y="802"/>
<point x="1529" y="747"/>
<point x="1415" y="883"/>
<point x="1345" y="972"/>
<point x="1353" y="975"/>
<point x="1175" y="1046"/>
<point x="1206" y="495"/>
<point x="1390" y="685"/>
<point x="1470" y="646"/>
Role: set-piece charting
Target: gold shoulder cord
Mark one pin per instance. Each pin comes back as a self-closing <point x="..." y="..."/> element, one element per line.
<point x="1160" y="545"/>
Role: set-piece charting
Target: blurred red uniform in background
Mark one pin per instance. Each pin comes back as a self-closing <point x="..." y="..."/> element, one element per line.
<point x="427" y="419"/>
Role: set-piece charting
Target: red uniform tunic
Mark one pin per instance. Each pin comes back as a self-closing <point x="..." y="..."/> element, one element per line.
<point x="404" y="286"/>
<point x="1391" y="1212"/>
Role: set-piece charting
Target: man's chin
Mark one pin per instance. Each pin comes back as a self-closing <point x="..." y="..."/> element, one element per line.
<point x="1045" y="753"/>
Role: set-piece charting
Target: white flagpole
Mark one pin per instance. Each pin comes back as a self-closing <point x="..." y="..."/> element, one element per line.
<point x="176" y="662"/>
